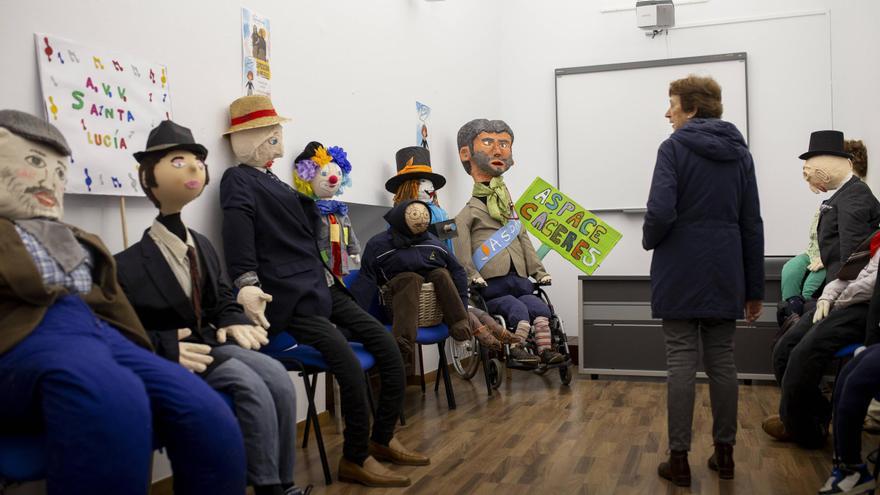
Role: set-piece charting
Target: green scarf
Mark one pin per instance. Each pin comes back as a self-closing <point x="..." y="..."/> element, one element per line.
<point x="497" y="198"/>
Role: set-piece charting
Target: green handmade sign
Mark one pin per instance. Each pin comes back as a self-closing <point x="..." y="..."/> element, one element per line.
<point x="564" y="226"/>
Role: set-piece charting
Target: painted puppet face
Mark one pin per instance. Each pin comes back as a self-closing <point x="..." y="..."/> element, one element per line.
<point x="327" y="181"/>
<point x="676" y="115"/>
<point x="493" y="153"/>
<point x="417" y="218"/>
<point x="258" y="147"/>
<point x="426" y="191"/>
<point x="180" y="176"/>
<point x="826" y="172"/>
<point x="32" y="178"/>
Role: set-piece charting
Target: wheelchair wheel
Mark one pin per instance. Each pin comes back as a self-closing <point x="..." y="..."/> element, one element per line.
<point x="465" y="357"/>
<point x="565" y="374"/>
<point x="496" y="373"/>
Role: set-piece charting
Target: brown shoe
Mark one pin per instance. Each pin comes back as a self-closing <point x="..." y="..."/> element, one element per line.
<point x="722" y="461"/>
<point x="370" y="474"/>
<point x="486" y="339"/>
<point x="676" y="469"/>
<point x="774" y="427"/>
<point x="396" y="453"/>
<point x="460" y="330"/>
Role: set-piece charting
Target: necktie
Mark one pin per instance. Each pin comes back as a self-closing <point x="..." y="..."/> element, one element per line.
<point x="196" y="284"/>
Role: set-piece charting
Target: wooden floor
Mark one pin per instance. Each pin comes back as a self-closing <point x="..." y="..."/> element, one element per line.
<point x="596" y="437"/>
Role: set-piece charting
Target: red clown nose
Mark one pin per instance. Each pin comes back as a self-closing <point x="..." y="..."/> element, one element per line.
<point x="333" y="180"/>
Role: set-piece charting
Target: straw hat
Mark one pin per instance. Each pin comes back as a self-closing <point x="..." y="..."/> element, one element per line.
<point x="251" y="112"/>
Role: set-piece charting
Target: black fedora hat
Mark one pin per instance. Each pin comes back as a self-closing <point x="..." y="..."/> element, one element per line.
<point x="414" y="163"/>
<point x="825" y="143"/>
<point x="170" y="136"/>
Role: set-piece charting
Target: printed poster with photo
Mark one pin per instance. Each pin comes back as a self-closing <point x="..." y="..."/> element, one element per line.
<point x="105" y="104"/>
<point x="256" y="77"/>
<point x="423" y="112"/>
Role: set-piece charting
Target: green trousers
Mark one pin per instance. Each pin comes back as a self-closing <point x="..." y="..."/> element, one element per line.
<point x="793" y="273"/>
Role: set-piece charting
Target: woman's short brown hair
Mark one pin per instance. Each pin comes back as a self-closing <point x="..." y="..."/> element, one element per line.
<point x="702" y="94"/>
<point x="859" y="152"/>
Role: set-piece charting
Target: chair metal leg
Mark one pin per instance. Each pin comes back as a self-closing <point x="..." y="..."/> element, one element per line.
<point x="422" y="369"/>
<point x="402" y="417"/>
<point x="484" y="357"/>
<point x="310" y="397"/>
<point x="312" y="418"/>
<point x="370" y="392"/>
<point x="447" y="381"/>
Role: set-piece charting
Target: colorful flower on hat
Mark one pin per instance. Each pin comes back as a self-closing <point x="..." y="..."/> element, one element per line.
<point x="304" y="171"/>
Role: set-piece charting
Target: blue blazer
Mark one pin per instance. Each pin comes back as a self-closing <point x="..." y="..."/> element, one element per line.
<point x="268" y="228"/>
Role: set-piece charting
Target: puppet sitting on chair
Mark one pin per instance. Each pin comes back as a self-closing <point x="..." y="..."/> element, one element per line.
<point x="75" y="361"/>
<point x="172" y="277"/>
<point x="485" y="150"/>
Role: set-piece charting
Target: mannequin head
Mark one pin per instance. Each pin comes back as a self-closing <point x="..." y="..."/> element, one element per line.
<point x="321" y="173"/>
<point x="33" y="167"/>
<point x="420" y="189"/>
<point x="255" y="131"/>
<point x="418" y="217"/>
<point x="825" y="173"/>
<point x="172" y="179"/>
<point x="485" y="148"/>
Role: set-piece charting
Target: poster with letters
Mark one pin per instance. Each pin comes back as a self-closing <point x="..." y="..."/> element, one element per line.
<point x="105" y="104"/>
<point x="256" y="77"/>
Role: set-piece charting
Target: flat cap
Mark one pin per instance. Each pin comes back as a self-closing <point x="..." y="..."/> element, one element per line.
<point x="35" y="129"/>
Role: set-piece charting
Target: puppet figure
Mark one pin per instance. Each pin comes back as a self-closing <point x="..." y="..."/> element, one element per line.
<point x="174" y="281"/>
<point x="489" y="219"/>
<point x="74" y="357"/>
<point x="322" y="173"/>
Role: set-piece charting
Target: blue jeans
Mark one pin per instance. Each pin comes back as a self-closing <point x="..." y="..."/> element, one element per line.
<point x="104" y="403"/>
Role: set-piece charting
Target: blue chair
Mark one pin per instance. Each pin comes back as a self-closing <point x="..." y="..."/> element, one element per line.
<point x="23" y="455"/>
<point x="436" y="334"/>
<point x="308" y="363"/>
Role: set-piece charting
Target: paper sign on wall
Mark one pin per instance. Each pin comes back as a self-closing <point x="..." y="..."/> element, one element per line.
<point x="424" y="113"/>
<point x="105" y="104"/>
<point x="564" y="226"/>
<point x="256" y="77"/>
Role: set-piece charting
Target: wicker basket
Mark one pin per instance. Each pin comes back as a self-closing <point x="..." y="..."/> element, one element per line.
<point x="429" y="309"/>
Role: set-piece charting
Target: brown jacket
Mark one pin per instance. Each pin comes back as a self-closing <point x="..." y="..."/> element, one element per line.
<point x="474" y="226"/>
<point x="24" y="299"/>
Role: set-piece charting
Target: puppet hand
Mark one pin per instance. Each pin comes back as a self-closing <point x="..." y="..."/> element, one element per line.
<point x="356" y="258"/>
<point x="822" y="309"/>
<point x="479" y="281"/>
<point x="546" y="280"/>
<point x="247" y="336"/>
<point x="254" y="301"/>
<point x="815" y="266"/>
<point x="194" y="357"/>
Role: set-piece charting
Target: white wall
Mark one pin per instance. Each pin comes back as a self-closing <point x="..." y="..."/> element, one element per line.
<point x="571" y="33"/>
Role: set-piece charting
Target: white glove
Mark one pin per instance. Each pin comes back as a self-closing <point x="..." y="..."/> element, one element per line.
<point x="822" y="309"/>
<point x="254" y="301"/>
<point x="859" y="350"/>
<point x="194" y="357"/>
<point x="355" y="258"/>
<point x="546" y="280"/>
<point x="247" y="336"/>
<point x="815" y="266"/>
<point x="478" y="280"/>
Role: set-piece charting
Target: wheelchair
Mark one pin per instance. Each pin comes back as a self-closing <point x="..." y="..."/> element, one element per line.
<point x="467" y="356"/>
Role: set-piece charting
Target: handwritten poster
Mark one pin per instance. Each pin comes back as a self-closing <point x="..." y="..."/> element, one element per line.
<point x="256" y="77"/>
<point x="105" y="104"/>
<point x="565" y="226"/>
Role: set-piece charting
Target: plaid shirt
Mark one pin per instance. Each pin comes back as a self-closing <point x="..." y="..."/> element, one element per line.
<point x="79" y="280"/>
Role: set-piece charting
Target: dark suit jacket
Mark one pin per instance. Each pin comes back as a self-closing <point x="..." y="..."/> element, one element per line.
<point x="268" y="228"/>
<point x="161" y="303"/>
<point x="24" y="299"/>
<point x="846" y="218"/>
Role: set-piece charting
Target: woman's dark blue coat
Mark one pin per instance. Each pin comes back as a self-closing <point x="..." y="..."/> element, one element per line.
<point x="704" y="224"/>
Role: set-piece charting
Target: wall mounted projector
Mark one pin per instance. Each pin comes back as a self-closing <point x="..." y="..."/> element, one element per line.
<point x="655" y="14"/>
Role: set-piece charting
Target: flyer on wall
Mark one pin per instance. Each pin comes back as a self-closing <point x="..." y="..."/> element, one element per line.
<point x="256" y="77"/>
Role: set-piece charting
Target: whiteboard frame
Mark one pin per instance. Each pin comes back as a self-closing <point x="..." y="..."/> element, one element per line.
<point x="645" y="64"/>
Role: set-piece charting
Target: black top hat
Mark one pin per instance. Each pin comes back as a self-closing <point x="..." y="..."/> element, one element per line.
<point x="826" y="143"/>
<point x="169" y="136"/>
<point x="414" y="163"/>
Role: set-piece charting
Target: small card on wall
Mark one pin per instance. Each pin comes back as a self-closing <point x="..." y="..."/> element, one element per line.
<point x="105" y="104"/>
<point x="423" y="112"/>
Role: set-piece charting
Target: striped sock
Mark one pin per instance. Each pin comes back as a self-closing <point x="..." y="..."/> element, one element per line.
<point x="522" y="330"/>
<point x="542" y="333"/>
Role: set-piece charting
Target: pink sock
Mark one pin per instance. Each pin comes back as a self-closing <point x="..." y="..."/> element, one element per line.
<point x="522" y="330"/>
<point x="542" y="333"/>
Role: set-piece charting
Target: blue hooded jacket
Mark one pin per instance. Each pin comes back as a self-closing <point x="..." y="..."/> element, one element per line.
<point x="704" y="224"/>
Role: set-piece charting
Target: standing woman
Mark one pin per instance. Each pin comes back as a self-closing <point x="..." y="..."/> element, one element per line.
<point x="704" y="224"/>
